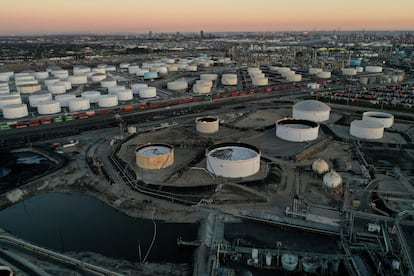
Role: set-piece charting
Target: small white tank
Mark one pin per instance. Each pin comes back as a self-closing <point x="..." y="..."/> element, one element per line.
<point x="34" y="100"/>
<point x="141" y="72"/>
<point x="64" y="99"/>
<point x="208" y="77"/>
<point x="124" y="95"/>
<point x="201" y="88"/>
<point x="42" y="75"/>
<point x="97" y="77"/>
<point x="260" y="81"/>
<point x="136" y="86"/>
<point x="314" y="71"/>
<point x="332" y="180"/>
<point x="15" y="111"/>
<point x="57" y="88"/>
<point x="108" y="101"/>
<point x="50" y="81"/>
<point x="148" y="92"/>
<point x="28" y="88"/>
<point x="92" y="96"/>
<point x="108" y="83"/>
<point x="7" y="100"/>
<point x="133" y="69"/>
<point x="114" y="89"/>
<point x="61" y="74"/>
<point x="47" y="108"/>
<point x="78" y="79"/>
<point x="79" y="104"/>
<point x="67" y="84"/>
<point x="177" y="85"/>
<point x="324" y="75"/>
<point x="229" y="79"/>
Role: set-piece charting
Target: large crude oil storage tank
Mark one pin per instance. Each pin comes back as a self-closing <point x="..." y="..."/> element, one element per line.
<point x="311" y="110"/>
<point x="233" y="160"/>
<point x="154" y="156"/>
<point x="386" y="119"/>
<point x="367" y="129"/>
<point x="296" y="130"/>
<point x="15" y="111"/>
<point x="207" y="124"/>
<point x="49" y="107"/>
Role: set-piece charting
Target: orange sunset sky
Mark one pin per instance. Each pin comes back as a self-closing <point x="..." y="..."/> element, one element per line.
<point x="106" y="16"/>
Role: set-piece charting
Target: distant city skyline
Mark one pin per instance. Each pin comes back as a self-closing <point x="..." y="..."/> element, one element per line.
<point x="108" y="16"/>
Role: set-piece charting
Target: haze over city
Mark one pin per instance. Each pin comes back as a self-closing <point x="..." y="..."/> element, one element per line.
<point x="103" y="16"/>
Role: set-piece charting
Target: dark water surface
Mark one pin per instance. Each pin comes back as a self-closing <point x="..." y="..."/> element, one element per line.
<point x="79" y="223"/>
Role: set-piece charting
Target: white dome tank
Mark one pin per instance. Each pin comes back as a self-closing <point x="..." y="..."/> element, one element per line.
<point x="50" y="81"/>
<point x="34" y="100"/>
<point x="108" y="101"/>
<point x="42" y="75"/>
<point x="312" y="110"/>
<point x="324" y="75"/>
<point x="97" y="77"/>
<point x="320" y="166"/>
<point x="78" y="79"/>
<point x="294" y="78"/>
<point x="61" y="74"/>
<point x="79" y="104"/>
<point x="295" y="130"/>
<point x="49" y="107"/>
<point x="177" y="85"/>
<point x="373" y="69"/>
<point x="260" y="81"/>
<point x="332" y="180"/>
<point x="366" y="129"/>
<point x="7" y="100"/>
<point x="229" y="79"/>
<point x="108" y="83"/>
<point x="208" y="77"/>
<point x="92" y="96"/>
<point x="124" y="95"/>
<point x="314" y="71"/>
<point x="137" y="86"/>
<point x="233" y="160"/>
<point x="207" y="125"/>
<point x="386" y="119"/>
<point x="28" y="88"/>
<point x="15" y="111"/>
<point x="148" y="92"/>
<point x="114" y="89"/>
<point x="64" y="99"/>
<point x="154" y="156"/>
<point x="201" y="88"/>
<point x="57" y="88"/>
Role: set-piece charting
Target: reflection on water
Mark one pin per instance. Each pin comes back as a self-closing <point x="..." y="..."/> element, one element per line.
<point x="82" y="223"/>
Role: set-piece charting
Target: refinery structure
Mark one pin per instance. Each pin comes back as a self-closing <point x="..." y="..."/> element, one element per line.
<point x="307" y="132"/>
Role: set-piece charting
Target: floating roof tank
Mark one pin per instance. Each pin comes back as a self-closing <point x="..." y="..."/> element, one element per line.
<point x="367" y="129"/>
<point x="154" y="156"/>
<point x="124" y="95"/>
<point x="207" y="125"/>
<point x="57" y="88"/>
<point x="296" y="130"/>
<point x="386" y="119"/>
<point x="137" y="86"/>
<point x="177" y="85"/>
<point x="28" y="88"/>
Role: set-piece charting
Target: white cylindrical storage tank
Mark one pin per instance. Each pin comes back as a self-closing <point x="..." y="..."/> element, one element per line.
<point x="233" y="160"/>
<point x="360" y="69"/>
<point x="311" y="110"/>
<point x="108" y="83"/>
<point x="366" y="129"/>
<point x="64" y="99"/>
<point x="34" y="100"/>
<point x="5" y="76"/>
<point x="23" y="77"/>
<point x="124" y="65"/>
<point x="79" y="104"/>
<point x="92" y="96"/>
<point x="133" y="69"/>
<point x="363" y="80"/>
<point x="24" y="82"/>
<point x="148" y="92"/>
<point x="50" y="81"/>
<point x="49" y="107"/>
<point x="78" y="79"/>
<point x="201" y="89"/>
<point x="191" y="68"/>
<point x="349" y="71"/>
<point x="67" y="84"/>
<point x="294" y="78"/>
<point x="108" y="101"/>
<point x="204" y="82"/>
<point x="15" y="111"/>
<point x="28" y="88"/>
<point x="154" y="156"/>
<point x="136" y="86"/>
<point x="97" y="77"/>
<point x="124" y="95"/>
<point x="373" y="69"/>
<point x="208" y="77"/>
<point x="110" y="68"/>
<point x="100" y="69"/>
<point x="314" y="71"/>
<point x="81" y="70"/>
<point x="229" y="79"/>
<point x="256" y="75"/>
<point x="260" y="81"/>
<point x="295" y="130"/>
<point x="177" y="85"/>
<point x="61" y="74"/>
<point x="4" y="90"/>
<point x="57" y="88"/>
<point x="320" y="166"/>
<point x="207" y="125"/>
<point x="285" y="74"/>
<point x="141" y="72"/>
<point x="42" y="75"/>
<point x="386" y="119"/>
<point x="332" y="180"/>
<point x="324" y="75"/>
<point x="8" y="100"/>
<point x="114" y="89"/>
